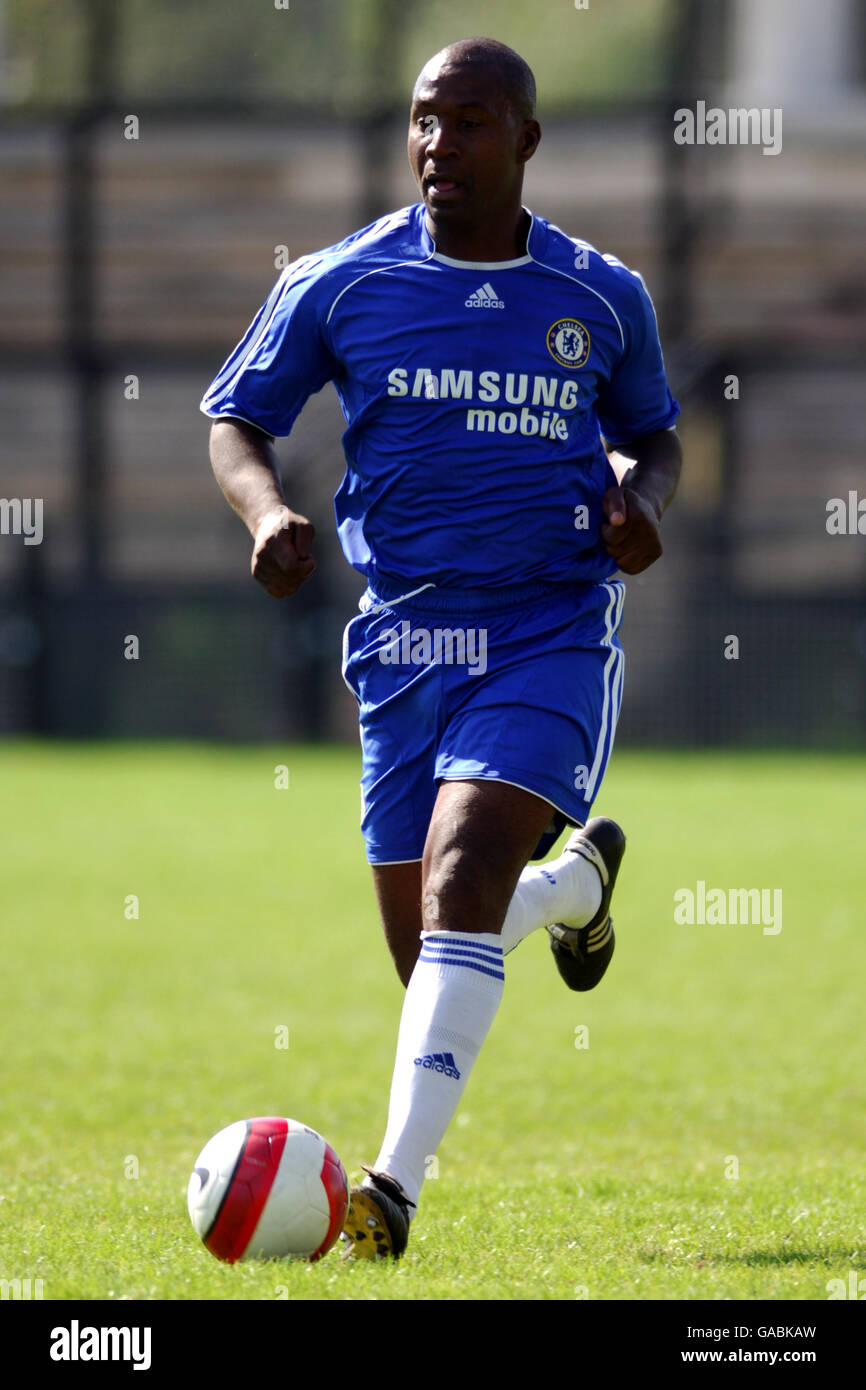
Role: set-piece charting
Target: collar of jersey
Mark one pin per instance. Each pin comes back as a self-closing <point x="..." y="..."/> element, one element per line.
<point x="481" y="265"/>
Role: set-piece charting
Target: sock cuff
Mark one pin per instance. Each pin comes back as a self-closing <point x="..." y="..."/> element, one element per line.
<point x="466" y="953"/>
<point x="480" y="938"/>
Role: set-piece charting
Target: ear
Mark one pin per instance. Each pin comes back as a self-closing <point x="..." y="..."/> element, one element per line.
<point x="529" y="140"/>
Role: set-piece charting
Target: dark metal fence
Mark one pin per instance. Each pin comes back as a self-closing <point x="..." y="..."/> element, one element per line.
<point x="135" y="264"/>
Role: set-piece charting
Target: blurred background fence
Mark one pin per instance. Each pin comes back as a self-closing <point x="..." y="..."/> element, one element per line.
<point x="155" y="159"/>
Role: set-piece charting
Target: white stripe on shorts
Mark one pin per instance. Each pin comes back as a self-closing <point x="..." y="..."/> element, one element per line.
<point x="613" y="669"/>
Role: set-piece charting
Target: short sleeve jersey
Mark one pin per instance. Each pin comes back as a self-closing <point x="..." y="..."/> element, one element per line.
<point x="476" y="395"/>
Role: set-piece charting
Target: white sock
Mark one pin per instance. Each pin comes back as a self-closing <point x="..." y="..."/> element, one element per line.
<point x="450" y="1003"/>
<point x="566" y="890"/>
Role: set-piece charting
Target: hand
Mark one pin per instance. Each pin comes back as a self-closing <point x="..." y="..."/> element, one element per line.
<point x="281" y="552"/>
<point x="632" y="531"/>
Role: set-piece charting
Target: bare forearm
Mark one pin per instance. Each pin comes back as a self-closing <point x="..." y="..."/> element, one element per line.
<point x="648" y="471"/>
<point x="245" y="466"/>
<point x="244" y="463"/>
<point x="655" y="465"/>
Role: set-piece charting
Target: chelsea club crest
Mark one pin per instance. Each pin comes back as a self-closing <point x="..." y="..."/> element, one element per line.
<point x="568" y="342"/>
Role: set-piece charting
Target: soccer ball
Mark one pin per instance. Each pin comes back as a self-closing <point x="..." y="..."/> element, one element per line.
<point x="268" y="1188"/>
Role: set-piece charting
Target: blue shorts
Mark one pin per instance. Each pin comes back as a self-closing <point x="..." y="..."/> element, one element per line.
<point x="520" y="685"/>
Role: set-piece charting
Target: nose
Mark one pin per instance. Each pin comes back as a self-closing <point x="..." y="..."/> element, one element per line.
<point x="439" y="138"/>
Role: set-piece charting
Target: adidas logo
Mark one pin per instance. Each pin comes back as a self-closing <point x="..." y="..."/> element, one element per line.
<point x="439" y="1061"/>
<point x="484" y="298"/>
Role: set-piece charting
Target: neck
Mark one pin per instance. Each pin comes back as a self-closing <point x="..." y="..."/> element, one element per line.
<point x="503" y="242"/>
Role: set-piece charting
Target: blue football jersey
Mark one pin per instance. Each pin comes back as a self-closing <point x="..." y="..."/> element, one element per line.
<point x="476" y="395"/>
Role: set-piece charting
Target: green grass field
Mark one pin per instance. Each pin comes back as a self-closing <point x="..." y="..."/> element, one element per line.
<point x="605" y="1171"/>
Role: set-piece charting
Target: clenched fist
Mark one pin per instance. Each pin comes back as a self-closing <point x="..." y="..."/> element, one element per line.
<point x="281" y="552"/>
<point x="632" y="531"/>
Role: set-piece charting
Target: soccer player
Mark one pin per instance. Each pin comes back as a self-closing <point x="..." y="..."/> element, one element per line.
<point x="488" y="366"/>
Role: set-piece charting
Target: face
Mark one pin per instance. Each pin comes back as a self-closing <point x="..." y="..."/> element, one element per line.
<point x="467" y="148"/>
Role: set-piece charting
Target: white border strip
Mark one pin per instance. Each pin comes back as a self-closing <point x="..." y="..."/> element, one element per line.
<point x="612" y="677"/>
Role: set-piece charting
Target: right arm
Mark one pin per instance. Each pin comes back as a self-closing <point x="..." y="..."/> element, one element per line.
<point x="244" y="463"/>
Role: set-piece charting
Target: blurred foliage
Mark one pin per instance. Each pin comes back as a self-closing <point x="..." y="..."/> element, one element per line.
<point x="330" y="53"/>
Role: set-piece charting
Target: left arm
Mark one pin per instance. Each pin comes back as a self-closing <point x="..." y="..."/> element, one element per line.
<point x="635" y="506"/>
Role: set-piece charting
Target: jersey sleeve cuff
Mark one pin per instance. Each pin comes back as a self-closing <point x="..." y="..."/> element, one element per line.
<point x="233" y="415"/>
<point x="621" y="441"/>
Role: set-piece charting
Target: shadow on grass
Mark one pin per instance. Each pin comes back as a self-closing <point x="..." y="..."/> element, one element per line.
<point x="831" y="1257"/>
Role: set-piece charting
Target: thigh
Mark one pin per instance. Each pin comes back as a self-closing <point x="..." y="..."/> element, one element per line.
<point x="400" y="712"/>
<point x="544" y="715"/>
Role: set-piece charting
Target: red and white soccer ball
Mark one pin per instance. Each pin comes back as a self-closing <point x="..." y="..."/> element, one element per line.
<point x="268" y="1188"/>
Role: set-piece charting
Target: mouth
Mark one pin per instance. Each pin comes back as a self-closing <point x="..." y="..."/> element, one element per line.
<point x="439" y="186"/>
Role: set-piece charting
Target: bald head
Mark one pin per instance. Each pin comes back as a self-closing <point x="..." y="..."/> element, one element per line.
<point x="471" y="132"/>
<point x="513" y="75"/>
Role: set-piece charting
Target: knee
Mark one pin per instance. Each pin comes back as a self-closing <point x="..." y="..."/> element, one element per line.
<point x="461" y="889"/>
